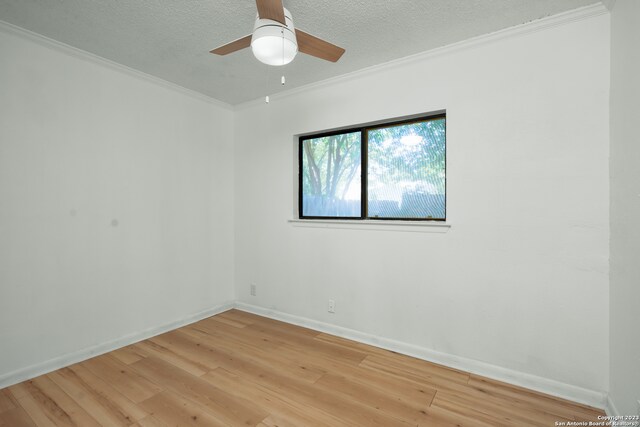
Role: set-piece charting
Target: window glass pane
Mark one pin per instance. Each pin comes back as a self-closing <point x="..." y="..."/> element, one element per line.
<point x="331" y="176"/>
<point x="406" y="171"/>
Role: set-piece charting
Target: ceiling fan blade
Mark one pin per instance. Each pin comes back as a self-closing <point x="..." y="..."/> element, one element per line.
<point x="271" y="9"/>
<point x="233" y="46"/>
<point x="312" y="45"/>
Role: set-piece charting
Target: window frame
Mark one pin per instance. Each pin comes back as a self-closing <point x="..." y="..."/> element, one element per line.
<point x="364" y="164"/>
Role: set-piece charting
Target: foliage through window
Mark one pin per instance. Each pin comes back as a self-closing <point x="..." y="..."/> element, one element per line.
<point x="391" y="171"/>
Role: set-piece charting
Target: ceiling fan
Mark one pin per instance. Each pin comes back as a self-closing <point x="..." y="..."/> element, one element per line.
<point x="275" y="41"/>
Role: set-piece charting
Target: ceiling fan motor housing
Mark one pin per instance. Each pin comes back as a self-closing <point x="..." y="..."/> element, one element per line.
<point x="273" y="43"/>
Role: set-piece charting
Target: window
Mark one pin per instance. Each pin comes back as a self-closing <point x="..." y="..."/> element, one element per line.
<point x="391" y="171"/>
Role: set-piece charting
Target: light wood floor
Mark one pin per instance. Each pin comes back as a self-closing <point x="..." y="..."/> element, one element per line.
<point x="239" y="369"/>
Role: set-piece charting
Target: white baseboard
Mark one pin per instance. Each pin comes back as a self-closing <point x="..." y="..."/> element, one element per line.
<point x="593" y="398"/>
<point x="33" y="371"/>
<point x="544" y="385"/>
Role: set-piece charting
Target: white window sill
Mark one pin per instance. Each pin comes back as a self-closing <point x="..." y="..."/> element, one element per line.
<point x="372" y="224"/>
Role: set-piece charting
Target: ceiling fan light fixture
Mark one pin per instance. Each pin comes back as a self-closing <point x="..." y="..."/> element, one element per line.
<point x="273" y="43"/>
<point x="273" y="47"/>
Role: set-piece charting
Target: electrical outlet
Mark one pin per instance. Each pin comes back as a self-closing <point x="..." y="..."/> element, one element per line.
<point x="252" y="289"/>
<point x="331" y="306"/>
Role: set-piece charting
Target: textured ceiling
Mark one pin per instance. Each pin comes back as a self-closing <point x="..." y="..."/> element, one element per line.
<point x="171" y="39"/>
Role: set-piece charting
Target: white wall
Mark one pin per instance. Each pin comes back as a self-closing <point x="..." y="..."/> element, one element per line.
<point x="625" y="206"/>
<point x="84" y="145"/>
<point x="521" y="279"/>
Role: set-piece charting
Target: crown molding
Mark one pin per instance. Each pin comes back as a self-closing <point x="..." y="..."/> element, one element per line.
<point x="87" y="56"/>
<point x="541" y="24"/>
<point x="552" y="21"/>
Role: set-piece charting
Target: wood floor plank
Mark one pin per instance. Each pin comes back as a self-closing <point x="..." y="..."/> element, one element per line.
<point x="104" y="408"/>
<point x="427" y="379"/>
<point x="346" y="343"/>
<point x="549" y="404"/>
<point x="443" y="385"/>
<point x="277" y="421"/>
<point x="47" y="404"/>
<point x="129" y="354"/>
<point x="122" y="378"/>
<point x="232" y="410"/>
<point x="494" y="419"/>
<point x="308" y="342"/>
<point x="281" y="330"/>
<point x="258" y="356"/>
<point x="377" y="375"/>
<point x="349" y="410"/>
<point x="416" y="367"/>
<point x="16" y="417"/>
<point x="283" y="410"/>
<point x="18" y="391"/>
<point x="509" y="414"/>
<point x="232" y="358"/>
<point x="513" y="406"/>
<point x="385" y="401"/>
<point x="235" y="315"/>
<point x="412" y="391"/>
<point x="315" y="398"/>
<point x="227" y="333"/>
<point x="7" y="401"/>
<point x="38" y="412"/>
<point x="438" y="417"/>
<point x="105" y="391"/>
<point x="156" y="350"/>
<point x="241" y="369"/>
<point x="189" y="349"/>
<point x="252" y="318"/>
<point x="294" y="388"/>
<point x="173" y="410"/>
<point x="149" y="421"/>
<point x="229" y="322"/>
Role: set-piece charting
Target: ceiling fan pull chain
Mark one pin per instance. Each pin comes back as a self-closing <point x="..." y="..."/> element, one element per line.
<point x="266" y="84"/>
<point x="282" y="80"/>
<point x="282" y="34"/>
